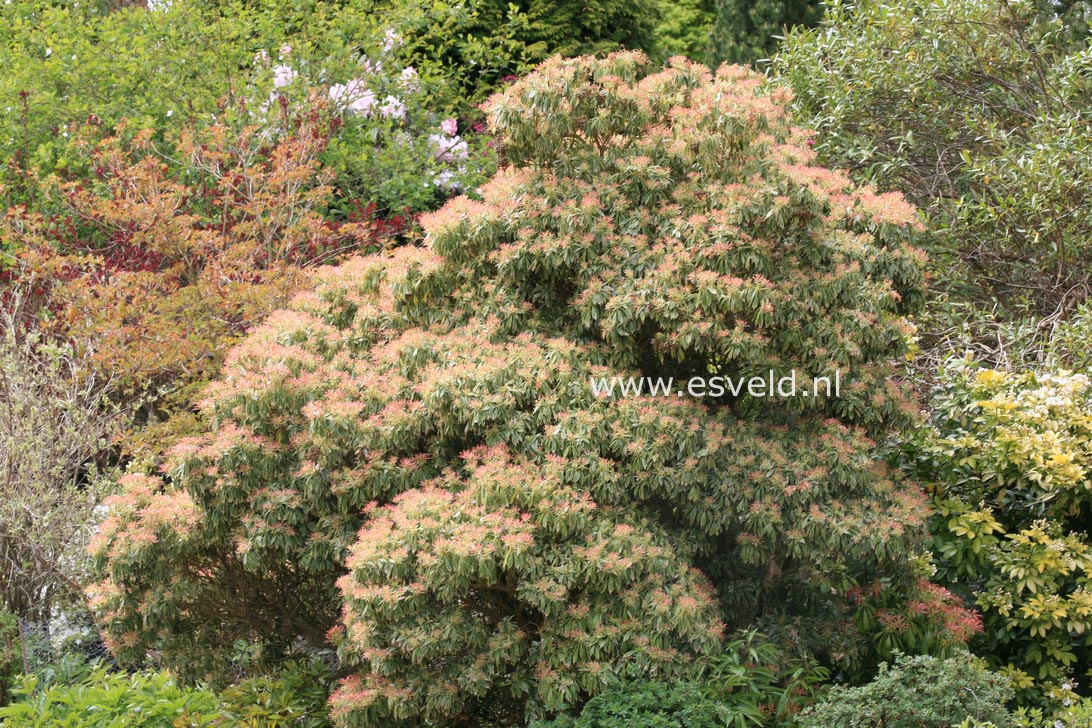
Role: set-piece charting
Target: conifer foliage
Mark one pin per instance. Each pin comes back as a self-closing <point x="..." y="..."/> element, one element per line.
<point x="411" y="457"/>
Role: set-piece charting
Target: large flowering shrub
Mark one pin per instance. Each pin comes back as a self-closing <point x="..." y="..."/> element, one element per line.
<point x="409" y="461"/>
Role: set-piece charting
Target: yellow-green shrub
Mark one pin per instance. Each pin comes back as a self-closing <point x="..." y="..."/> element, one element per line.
<point x="1009" y="459"/>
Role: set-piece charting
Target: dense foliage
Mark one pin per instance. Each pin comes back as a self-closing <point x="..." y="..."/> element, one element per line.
<point x="480" y="44"/>
<point x="977" y="110"/>
<point x="648" y="705"/>
<point x="514" y="541"/>
<point x="685" y="27"/>
<point x="919" y="692"/>
<point x="758" y="683"/>
<point x="168" y="250"/>
<point x="1009" y="458"/>
<point x="189" y="64"/>
<point x="747" y="31"/>
<point x="380" y="465"/>
<point x="10" y="654"/>
<point x="294" y="699"/>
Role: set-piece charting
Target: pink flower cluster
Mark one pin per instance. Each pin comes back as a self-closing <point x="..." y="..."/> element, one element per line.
<point x="354" y="96"/>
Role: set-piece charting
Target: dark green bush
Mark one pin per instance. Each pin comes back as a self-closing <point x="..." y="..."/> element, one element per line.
<point x="648" y="705"/>
<point x="751" y="684"/>
<point x="760" y="682"/>
<point x="481" y="43"/>
<point x="685" y="28"/>
<point x="748" y="30"/>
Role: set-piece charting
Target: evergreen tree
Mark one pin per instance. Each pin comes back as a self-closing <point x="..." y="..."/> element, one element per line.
<point x="748" y="30"/>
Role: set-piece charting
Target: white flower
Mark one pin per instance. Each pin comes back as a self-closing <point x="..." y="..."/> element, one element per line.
<point x="283" y="75"/>
<point x="364" y="104"/>
<point x="354" y="95"/>
<point x="446" y="179"/>
<point x="391" y="40"/>
<point x="393" y="108"/>
<point x="269" y="103"/>
<point x="448" y="149"/>
<point x="409" y="79"/>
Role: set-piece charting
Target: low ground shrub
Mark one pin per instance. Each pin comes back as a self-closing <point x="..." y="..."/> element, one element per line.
<point x="648" y="705"/>
<point x="919" y="692"/>
<point x="294" y="698"/>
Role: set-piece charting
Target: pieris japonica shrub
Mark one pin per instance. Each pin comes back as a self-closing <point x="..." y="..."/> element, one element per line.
<point x="409" y="461"/>
<point x="1008" y="459"/>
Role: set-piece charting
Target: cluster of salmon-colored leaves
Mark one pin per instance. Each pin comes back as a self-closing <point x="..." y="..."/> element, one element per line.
<point x="165" y="252"/>
<point x="408" y="461"/>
